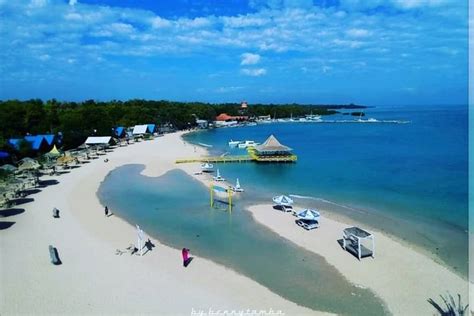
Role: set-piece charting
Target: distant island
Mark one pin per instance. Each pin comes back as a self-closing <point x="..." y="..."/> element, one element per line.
<point x="77" y="120"/>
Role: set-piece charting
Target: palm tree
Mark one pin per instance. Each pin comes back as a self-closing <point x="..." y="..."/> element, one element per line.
<point x="452" y="308"/>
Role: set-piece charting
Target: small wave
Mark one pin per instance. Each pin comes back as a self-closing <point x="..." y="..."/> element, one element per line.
<point x="326" y="201"/>
<point x="366" y="121"/>
<point x="205" y="145"/>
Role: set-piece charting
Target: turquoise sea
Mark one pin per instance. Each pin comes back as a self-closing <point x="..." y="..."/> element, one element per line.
<point x="409" y="180"/>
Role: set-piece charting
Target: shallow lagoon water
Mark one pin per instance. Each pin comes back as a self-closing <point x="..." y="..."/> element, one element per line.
<point x="175" y="209"/>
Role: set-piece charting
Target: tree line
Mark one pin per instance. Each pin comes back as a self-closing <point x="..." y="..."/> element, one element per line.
<point x="78" y="120"/>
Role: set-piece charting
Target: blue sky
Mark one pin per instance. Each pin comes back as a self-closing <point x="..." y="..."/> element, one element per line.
<point x="372" y="52"/>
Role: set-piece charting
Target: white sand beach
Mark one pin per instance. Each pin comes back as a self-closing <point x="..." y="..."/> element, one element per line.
<point x="94" y="280"/>
<point x="401" y="276"/>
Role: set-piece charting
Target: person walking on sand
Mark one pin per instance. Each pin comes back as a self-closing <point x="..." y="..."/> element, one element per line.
<point x="106" y="210"/>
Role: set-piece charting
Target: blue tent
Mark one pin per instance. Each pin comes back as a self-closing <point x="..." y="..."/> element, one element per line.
<point x="49" y="139"/>
<point x="4" y="154"/>
<point x="37" y="142"/>
<point x="14" y="142"/>
<point x="119" y="131"/>
<point x="151" y="128"/>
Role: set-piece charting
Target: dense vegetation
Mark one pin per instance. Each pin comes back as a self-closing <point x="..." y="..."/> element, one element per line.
<point x="76" y="121"/>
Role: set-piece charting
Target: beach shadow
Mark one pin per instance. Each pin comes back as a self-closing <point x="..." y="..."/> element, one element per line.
<point x="149" y="246"/>
<point x="11" y="212"/>
<point x="30" y="191"/>
<point x="282" y="208"/>
<point x="85" y="161"/>
<point x="22" y="201"/>
<point x="74" y="167"/>
<point x="45" y="183"/>
<point x="60" y="172"/>
<point x="6" y="225"/>
<point x="188" y="261"/>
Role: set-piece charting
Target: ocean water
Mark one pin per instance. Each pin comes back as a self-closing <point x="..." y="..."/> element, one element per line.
<point x="175" y="209"/>
<point x="409" y="180"/>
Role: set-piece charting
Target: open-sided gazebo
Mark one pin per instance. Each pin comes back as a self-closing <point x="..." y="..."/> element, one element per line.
<point x="352" y="239"/>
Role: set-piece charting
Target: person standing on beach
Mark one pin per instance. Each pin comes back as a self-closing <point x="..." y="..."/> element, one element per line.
<point x="106" y="210"/>
<point x="185" y="254"/>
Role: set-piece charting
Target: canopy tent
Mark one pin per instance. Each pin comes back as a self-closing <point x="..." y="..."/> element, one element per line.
<point x="140" y="129"/>
<point x="272" y="146"/>
<point x="282" y="200"/>
<point x="309" y="214"/>
<point x="352" y="239"/>
<point x="98" y="140"/>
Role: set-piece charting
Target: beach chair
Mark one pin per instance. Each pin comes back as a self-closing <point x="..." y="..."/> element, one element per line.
<point x="53" y="253"/>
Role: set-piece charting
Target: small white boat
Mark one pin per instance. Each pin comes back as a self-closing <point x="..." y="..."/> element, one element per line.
<point x="234" y="143"/>
<point x="237" y="187"/>
<point x="247" y="143"/>
<point x="218" y="176"/>
<point x="207" y="167"/>
<point x="313" y="117"/>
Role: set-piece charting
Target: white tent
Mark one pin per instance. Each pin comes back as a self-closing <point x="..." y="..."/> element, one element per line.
<point x="309" y="214"/>
<point x="98" y="140"/>
<point x="282" y="200"/>
<point x="140" y="129"/>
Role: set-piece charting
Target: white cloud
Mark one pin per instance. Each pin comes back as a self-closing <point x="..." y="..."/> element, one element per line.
<point x="158" y="22"/>
<point x="249" y="59"/>
<point x="44" y="57"/>
<point x="358" y="32"/>
<point x="72" y="2"/>
<point x="228" y="89"/>
<point x="254" y="72"/>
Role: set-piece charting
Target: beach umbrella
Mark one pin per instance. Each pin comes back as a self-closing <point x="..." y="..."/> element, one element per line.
<point x="309" y="214"/>
<point x="65" y="159"/>
<point x="282" y="200"/>
<point x="28" y="164"/>
<point x="54" y="153"/>
<point x="9" y="168"/>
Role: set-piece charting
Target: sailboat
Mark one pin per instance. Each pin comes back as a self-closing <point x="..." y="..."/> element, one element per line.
<point x="218" y="176"/>
<point x="237" y="187"/>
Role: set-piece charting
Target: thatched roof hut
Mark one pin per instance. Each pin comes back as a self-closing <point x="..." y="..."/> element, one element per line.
<point x="272" y="147"/>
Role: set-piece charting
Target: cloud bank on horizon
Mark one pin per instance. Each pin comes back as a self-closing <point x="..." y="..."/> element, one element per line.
<point x="307" y="51"/>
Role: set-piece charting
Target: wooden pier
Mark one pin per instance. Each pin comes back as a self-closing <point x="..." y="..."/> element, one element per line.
<point x="247" y="158"/>
<point x="218" y="159"/>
